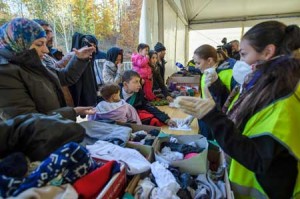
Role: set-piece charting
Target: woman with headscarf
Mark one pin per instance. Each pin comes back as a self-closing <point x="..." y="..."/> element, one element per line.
<point x="113" y="67"/>
<point x="26" y="85"/>
<point x="84" y="91"/>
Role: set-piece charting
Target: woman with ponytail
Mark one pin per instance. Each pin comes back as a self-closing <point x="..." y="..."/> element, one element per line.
<point x="261" y="131"/>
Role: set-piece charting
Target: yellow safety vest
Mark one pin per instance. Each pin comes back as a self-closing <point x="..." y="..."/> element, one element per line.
<point x="278" y="121"/>
<point x="225" y="77"/>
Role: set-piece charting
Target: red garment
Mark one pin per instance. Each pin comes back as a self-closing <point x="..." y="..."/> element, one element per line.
<point x="90" y="185"/>
<point x="147" y="88"/>
<point x="145" y="115"/>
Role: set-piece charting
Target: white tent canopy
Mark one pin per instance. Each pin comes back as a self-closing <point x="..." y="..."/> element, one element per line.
<point x="169" y="21"/>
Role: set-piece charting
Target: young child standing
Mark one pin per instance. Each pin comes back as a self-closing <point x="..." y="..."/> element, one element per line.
<point x="113" y="107"/>
<point x="140" y="64"/>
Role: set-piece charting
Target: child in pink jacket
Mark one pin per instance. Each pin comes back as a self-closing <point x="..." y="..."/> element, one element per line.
<point x="140" y="64"/>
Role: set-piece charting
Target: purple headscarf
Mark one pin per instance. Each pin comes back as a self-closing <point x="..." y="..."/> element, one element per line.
<point x="18" y="34"/>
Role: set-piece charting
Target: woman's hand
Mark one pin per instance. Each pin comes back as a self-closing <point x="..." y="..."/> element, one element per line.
<point x="82" y="110"/>
<point x="197" y="107"/>
<point x="84" y="52"/>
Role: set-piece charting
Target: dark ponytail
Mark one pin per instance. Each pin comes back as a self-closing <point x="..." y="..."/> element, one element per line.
<point x="291" y="40"/>
<point x="285" y="38"/>
<point x="278" y="76"/>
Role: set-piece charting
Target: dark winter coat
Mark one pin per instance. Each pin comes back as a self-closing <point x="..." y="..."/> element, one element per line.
<point x="37" y="135"/>
<point x="27" y="86"/>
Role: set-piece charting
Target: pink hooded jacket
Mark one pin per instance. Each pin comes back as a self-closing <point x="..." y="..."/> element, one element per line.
<point x="141" y="65"/>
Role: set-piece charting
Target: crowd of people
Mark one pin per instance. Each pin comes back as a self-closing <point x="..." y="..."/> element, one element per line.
<point x="249" y="106"/>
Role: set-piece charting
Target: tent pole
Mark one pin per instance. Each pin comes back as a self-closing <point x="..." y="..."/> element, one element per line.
<point x="243" y="30"/>
<point x="160" y="9"/>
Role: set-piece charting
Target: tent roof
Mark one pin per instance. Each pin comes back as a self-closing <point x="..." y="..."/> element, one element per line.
<point x="217" y="11"/>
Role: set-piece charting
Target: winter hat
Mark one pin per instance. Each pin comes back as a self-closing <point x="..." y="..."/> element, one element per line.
<point x="159" y="47"/>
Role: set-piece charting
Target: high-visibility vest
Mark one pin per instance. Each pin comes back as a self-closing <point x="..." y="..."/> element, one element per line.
<point x="226" y="78"/>
<point x="224" y="75"/>
<point x="276" y="120"/>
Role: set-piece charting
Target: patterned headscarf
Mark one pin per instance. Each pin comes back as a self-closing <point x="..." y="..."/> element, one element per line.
<point x="18" y="34"/>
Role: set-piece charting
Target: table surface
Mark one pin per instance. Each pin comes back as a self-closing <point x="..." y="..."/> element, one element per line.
<point x="176" y="113"/>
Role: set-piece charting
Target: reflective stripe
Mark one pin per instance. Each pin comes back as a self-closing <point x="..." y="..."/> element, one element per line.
<point x="241" y="192"/>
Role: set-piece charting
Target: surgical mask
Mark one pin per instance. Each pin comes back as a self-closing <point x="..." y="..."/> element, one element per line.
<point x="240" y="70"/>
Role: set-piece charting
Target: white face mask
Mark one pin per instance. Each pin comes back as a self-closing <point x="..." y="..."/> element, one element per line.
<point x="240" y="70"/>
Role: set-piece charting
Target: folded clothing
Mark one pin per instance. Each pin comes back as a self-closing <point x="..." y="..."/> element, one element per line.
<point x="135" y="162"/>
<point x="182" y="148"/>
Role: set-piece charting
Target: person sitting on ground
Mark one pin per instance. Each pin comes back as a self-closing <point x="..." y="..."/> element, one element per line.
<point x="132" y="93"/>
<point x="113" y="107"/>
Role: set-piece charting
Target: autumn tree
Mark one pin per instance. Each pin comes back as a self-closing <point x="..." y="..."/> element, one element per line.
<point x="113" y="22"/>
<point x="4" y="12"/>
<point x="129" y="34"/>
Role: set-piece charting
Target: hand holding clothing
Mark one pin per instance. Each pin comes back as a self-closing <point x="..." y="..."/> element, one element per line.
<point x="197" y="107"/>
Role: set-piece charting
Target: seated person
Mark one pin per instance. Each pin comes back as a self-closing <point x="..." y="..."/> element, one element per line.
<point x="132" y="93"/>
<point x="113" y="107"/>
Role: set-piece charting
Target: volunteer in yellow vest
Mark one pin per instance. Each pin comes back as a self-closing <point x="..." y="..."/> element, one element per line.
<point x="218" y="78"/>
<point x="261" y="130"/>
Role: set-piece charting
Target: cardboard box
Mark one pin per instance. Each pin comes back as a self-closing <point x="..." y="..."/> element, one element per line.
<point x="145" y="150"/>
<point x="194" y="165"/>
<point x="136" y="127"/>
<point x="148" y="153"/>
<point x="191" y="81"/>
<point x="115" y="187"/>
<point x="213" y="155"/>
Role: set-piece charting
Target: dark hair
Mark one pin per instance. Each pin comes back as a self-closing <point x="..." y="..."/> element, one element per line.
<point x="129" y="74"/>
<point x="205" y="51"/>
<point x="107" y="90"/>
<point x="279" y="76"/>
<point x="223" y="53"/>
<point x="285" y="38"/>
<point x="142" y="46"/>
<point x="41" y="22"/>
<point x="151" y="53"/>
<point x="112" y="54"/>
